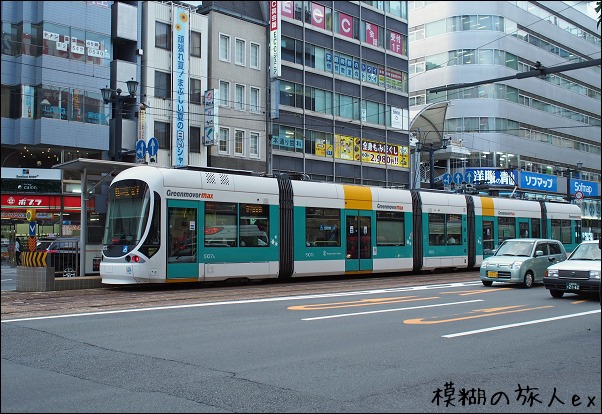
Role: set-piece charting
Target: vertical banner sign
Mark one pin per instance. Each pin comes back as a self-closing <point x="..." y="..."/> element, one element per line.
<point x="179" y="144"/>
<point x="27" y="102"/>
<point x="142" y="128"/>
<point x="211" y="117"/>
<point x="275" y="68"/>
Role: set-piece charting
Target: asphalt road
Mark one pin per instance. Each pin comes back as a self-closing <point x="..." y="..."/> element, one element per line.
<point x="392" y="344"/>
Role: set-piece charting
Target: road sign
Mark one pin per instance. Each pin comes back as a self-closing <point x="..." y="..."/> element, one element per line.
<point x="140" y="149"/>
<point x="153" y="146"/>
<point x="32" y="228"/>
<point x="446" y="178"/>
<point x="458" y="178"/>
<point x="578" y="195"/>
<point x="30" y="215"/>
<point x="469" y="177"/>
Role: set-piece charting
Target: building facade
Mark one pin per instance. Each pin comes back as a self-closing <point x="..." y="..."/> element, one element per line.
<point x="542" y="131"/>
<point x="339" y="91"/>
<point x="53" y="68"/>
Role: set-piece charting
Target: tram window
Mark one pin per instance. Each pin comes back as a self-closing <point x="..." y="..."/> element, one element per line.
<point x="436" y="229"/>
<point x="254" y="225"/>
<point x="561" y="230"/>
<point x="535" y="228"/>
<point x="153" y="239"/>
<point x="182" y="235"/>
<point x="221" y="228"/>
<point x="322" y="227"/>
<point x="390" y="229"/>
<point x="506" y="228"/>
<point x="578" y="234"/>
<point x="453" y="227"/>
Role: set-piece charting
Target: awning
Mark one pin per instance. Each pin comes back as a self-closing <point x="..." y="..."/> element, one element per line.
<point x="427" y="122"/>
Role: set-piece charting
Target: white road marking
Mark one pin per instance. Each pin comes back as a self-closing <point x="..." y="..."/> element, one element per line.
<point x="514" y="325"/>
<point x="390" y="310"/>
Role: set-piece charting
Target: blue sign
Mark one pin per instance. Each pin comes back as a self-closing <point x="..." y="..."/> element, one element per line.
<point x="446" y="179"/>
<point x="536" y="181"/>
<point x="140" y="149"/>
<point x="32" y="228"/>
<point x="153" y="146"/>
<point x="468" y="177"/>
<point x="588" y="188"/>
<point x="458" y="177"/>
<point x="493" y="176"/>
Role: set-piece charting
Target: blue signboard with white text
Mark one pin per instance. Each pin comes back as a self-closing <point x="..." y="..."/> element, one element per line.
<point x="588" y="188"/>
<point x="493" y="176"/>
<point x="539" y="182"/>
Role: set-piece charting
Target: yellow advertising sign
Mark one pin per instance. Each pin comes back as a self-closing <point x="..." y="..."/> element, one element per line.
<point x="351" y="148"/>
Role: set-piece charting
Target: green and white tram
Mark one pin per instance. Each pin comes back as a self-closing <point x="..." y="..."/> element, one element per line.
<point x="172" y="225"/>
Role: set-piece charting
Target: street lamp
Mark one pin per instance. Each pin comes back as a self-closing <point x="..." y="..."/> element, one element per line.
<point x="569" y="171"/>
<point x="117" y="103"/>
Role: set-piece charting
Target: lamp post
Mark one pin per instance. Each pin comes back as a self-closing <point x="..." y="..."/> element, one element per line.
<point x="569" y="171"/>
<point x="431" y="151"/>
<point x="117" y="103"/>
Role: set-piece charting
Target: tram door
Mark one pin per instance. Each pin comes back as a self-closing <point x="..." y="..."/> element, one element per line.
<point x="182" y="239"/>
<point x="358" y="228"/>
<point x="488" y="237"/>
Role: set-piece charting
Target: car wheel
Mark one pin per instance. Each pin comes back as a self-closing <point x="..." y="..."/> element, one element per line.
<point x="556" y="293"/>
<point x="487" y="282"/>
<point x="528" y="280"/>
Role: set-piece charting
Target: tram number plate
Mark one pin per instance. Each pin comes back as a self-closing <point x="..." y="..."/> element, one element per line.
<point x="572" y="286"/>
<point x="491" y="274"/>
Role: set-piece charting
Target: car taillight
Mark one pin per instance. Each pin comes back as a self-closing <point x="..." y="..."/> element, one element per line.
<point x="52" y="251"/>
<point x="213" y="230"/>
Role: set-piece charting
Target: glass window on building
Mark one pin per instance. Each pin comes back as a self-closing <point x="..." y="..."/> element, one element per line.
<point x="162" y="85"/>
<point x="94" y="109"/>
<point x="195" y="139"/>
<point x="163" y="134"/>
<point x="224" y="141"/>
<point x="54" y="102"/>
<point x="224" y="93"/>
<point x="224" y="47"/>
<point x="56" y="40"/>
<point x="239" y="142"/>
<point x="195" y="91"/>
<point x="254" y="144"/>
<point x="163" y="35"/>
<point x="254" y="55"/>
<point x="255" y="100"/>
<point x="195" y="44"/>
<point x="239" y="100"/>
<point x="240" y="51"/>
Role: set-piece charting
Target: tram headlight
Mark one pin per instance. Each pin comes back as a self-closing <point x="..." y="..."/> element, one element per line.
<point x="136" y="259"/>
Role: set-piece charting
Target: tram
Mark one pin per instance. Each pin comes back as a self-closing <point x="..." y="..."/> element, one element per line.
<point x="171" y="225"/>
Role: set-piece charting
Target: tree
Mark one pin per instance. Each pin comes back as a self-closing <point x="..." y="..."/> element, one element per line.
<point x="599" y="15"/>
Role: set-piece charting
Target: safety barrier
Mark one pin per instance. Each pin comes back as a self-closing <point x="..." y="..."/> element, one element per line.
<point x="36" y="273"/>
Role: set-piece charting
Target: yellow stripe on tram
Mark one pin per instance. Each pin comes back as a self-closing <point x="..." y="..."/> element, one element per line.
<point x="487" y="203"/>
<point x="357" y="198"/>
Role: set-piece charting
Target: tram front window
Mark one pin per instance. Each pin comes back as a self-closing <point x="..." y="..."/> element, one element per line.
<point x="127" y="215"/>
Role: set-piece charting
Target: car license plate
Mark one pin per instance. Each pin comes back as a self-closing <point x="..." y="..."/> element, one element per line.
<point x="491" y="273"/>
<point x="572" y="286"/>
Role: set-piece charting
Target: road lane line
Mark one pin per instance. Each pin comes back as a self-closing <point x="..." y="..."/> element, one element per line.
<point x="514" y="325"/>
<point x="389" y="310"/>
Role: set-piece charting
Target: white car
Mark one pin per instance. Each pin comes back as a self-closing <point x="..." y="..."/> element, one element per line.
<point x="580" y="273"/>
